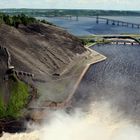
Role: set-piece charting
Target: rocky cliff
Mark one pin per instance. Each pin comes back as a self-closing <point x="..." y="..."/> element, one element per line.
<point x="34" y="52"/>
<point x="40" y="48"/>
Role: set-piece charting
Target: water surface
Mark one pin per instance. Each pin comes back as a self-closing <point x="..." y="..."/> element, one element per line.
<point x="116" y="80"/>
<point x="87" y="25"/>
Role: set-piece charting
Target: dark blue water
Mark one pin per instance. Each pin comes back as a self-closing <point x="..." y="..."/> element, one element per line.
<point x="87" y="26"/>
<point x="116" y="80"/>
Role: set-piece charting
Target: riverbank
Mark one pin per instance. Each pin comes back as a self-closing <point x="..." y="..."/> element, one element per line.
<point x="61" y="89"/>
<point x="95" y="57"/>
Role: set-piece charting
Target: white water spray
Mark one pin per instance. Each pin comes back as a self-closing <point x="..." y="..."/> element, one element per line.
<point x="100" y="123"/>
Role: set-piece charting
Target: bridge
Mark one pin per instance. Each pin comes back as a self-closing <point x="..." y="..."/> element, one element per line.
<point x="102" y="19"/>
<point x="67" y="17"/>
<point x="117" y="22"/>
<point x="122" y="42"/>
<point x="71" y="18"/>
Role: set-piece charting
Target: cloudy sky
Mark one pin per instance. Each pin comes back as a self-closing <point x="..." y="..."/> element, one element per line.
<point x="73" y="4"/>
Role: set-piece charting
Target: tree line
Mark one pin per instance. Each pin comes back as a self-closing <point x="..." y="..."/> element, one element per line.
<point x="16" y="20"/>
<point x="72" y="12"/>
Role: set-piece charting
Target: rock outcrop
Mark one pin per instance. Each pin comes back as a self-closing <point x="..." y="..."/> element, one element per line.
<point x="40" y="49"/>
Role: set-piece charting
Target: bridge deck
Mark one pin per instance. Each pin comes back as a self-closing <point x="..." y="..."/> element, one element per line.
<point x="118" y="21"/>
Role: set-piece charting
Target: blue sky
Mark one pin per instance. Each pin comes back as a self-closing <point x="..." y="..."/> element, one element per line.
<point x="73" y="4"/>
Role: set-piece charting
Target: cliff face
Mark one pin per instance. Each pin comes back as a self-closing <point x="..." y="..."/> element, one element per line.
<point x="40" y="49"/>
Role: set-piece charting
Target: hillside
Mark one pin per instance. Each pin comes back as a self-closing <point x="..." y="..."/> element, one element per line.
<point x="30" y="54"/>
<point x="40" y="48"/>
<point x="35" y="52"/>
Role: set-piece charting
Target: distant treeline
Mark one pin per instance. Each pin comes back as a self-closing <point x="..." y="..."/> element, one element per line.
<point x="17" y="19"/>
<point x="62" y="12"/>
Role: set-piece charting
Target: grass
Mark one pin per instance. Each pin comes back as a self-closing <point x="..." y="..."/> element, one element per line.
<point x="86" y="41"/>
<point x="92" y="41"/>
<point x="17" y="101"/>
<point x="2" y="108"/>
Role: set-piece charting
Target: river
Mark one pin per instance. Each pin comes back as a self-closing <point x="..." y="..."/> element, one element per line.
<point x="88" y="26"/>
<point x="116" y="80"/>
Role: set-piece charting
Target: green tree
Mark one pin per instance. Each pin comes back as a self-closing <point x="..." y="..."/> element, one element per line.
<point x="16" y="21"/>
<point x="7" y="19"/>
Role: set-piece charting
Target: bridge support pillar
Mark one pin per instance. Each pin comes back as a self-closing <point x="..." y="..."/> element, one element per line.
<point x="107" y="21"/>
<point x="113" y="22"/>
<point x="97" y="20"/>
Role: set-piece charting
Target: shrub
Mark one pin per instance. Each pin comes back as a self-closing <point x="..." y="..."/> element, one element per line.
<point x="87" y="41"/>
<point x="46" y="22"/>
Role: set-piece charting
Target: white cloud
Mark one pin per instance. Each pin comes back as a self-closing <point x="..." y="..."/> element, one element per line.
<point x="86" y="4"/>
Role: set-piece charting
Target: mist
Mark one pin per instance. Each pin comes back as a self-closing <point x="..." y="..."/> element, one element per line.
<point x="101" y="122"/>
